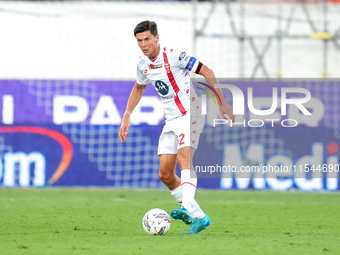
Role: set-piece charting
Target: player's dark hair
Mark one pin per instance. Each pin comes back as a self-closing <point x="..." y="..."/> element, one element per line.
<point x="145" y="26"/>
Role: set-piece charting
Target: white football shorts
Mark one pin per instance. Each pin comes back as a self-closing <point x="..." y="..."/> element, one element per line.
<point x="180" y="132"/>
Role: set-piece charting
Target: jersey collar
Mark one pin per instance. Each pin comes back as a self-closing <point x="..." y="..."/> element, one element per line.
<point x="160" y="49"/>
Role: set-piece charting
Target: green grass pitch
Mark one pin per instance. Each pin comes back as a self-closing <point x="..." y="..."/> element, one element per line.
<point x="109" y="221"/>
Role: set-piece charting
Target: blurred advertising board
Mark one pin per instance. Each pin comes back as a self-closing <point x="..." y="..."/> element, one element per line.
<point x="65" y="133"/>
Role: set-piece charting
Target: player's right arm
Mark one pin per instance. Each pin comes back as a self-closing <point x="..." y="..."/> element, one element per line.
<point x="135" y="96"/>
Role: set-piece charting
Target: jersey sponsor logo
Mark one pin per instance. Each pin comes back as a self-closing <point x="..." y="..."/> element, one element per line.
<point x="162" y="87"/>
<point x="145" y="71"/>
<point x="168" y="97"/>
<point x="182" y="55"/>
<point x="156" y="66"/>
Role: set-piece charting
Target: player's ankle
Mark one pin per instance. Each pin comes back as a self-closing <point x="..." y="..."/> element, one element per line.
<point x="198" y="213"/>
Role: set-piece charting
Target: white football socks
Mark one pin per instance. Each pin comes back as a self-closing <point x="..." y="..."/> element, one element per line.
<point x="177" y="194"/>
<point x="189" y="183"/>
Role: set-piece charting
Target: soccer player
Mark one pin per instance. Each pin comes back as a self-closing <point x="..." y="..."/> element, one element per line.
<point x="168" y="72"/>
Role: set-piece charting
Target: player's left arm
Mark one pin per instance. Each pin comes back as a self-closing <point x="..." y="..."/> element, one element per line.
<point x="211" y="79"/>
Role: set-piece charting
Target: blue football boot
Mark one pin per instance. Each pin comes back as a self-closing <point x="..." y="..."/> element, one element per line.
<point x="182" y="214"/>
<point x="198" y="225"/>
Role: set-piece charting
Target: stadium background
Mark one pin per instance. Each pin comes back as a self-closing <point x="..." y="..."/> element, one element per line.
<point x="81" y="56"/>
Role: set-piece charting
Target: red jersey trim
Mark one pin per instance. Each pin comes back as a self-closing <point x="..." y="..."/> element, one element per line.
<point x="188" y="183"/>
<point x="173" y="84"/>
<point x="153" y="60"/>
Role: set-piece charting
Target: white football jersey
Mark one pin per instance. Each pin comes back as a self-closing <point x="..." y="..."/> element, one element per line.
<point x="169" y="74"/>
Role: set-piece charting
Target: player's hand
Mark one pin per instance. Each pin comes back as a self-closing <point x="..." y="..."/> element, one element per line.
<point x="226" y="109"/>
<point x="124" y="129"/>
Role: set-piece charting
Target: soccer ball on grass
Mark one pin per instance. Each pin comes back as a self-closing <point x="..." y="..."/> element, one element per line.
<point x="156" y="222"/>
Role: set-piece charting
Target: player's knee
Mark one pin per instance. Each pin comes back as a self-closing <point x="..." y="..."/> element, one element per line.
<point x="160" y="176"/>
<point x="166" y="177"/>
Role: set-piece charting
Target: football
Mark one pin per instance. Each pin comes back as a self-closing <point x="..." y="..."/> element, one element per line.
<point x="156" y="222"/>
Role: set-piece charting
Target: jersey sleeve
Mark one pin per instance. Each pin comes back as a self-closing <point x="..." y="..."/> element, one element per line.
<point x="187" y="62"/>
<point x="141" y="77"/>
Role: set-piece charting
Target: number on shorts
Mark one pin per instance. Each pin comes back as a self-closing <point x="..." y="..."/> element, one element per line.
<point x="181" y="141"/>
